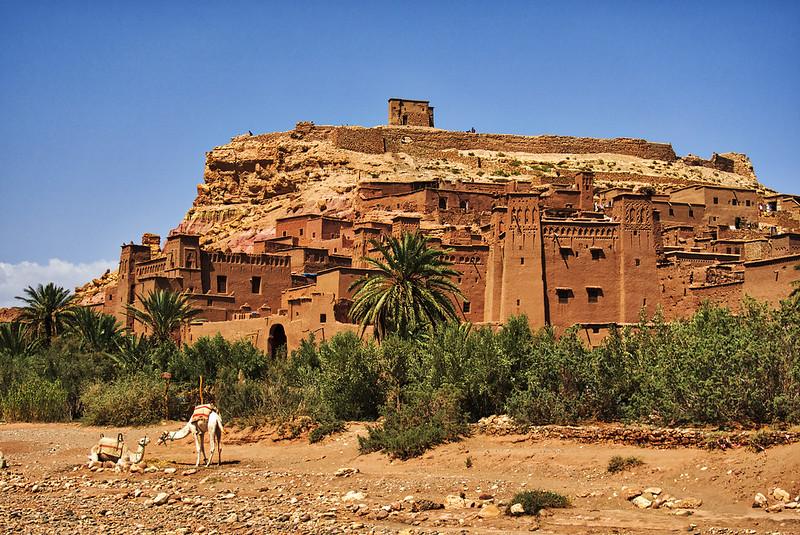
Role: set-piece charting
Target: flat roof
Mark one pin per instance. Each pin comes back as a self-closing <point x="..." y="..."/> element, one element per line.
<point x="409" y="100"/>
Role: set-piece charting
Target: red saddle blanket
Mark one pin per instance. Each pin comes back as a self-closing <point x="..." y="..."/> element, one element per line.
<point x="202" y="412"/>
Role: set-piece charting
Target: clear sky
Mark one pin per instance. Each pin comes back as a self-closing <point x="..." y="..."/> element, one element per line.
<point x="108" y="107"/>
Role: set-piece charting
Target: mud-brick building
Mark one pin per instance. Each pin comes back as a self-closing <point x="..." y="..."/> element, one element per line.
<point x="219" y="284"/>
<point x="407" y="112"/>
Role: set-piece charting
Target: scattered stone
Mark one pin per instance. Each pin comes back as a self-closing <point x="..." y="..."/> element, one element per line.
<point x="759" y="501"/>
<point x="135" y="469"/>
<point x="517" y="509"/>
<point x="781" y="495"/>
<point x="775" y="508"/>
<point x="161" y="498"/>
<point x="353" y="496"/>
<point x="425" y="505"/>
<point x="231" y="518"/>
<point x="485" y="496"/>
<point x="346" y="472"/>
<point x="170" y="470"/>
<point x="381" y="515"/>
<point x="791" y="505"/>
<point x="489" y="510"/>
<point x="631" y="493"/>
<point x="641" y="502"/>
<point x="687" y="503"/>
<point x="454" y="502"/>
<point x="654" y="491"/>
<point x="189" y="472"/>
<point x="683" y="512"/>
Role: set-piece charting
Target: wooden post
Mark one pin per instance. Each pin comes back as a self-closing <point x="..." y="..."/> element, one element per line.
<point x="201" y="390"/>
<point x="166" y="376"/>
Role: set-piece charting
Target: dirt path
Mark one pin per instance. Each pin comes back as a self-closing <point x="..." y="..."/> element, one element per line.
<point x="290" y="486"/>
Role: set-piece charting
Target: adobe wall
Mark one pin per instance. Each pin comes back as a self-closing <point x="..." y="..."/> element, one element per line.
<point x="471" y="262"/>
<point x="571" y="268"/>
<point x="771" y="280"/>
<point x="425" y="141"/>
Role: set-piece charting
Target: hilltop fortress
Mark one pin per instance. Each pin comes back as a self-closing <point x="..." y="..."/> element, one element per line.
<point x="565" y="230"/>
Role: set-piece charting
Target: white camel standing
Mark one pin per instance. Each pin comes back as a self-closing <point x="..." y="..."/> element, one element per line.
<point x="205" y="419"/>
<point x="117" y="452"/>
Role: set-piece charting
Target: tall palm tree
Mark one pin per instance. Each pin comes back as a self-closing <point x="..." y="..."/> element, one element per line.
<point x="46" y="309"/>
<point x="163" y="312"/>
<point x="94" y="330"/>
<point x="412" y="289"/>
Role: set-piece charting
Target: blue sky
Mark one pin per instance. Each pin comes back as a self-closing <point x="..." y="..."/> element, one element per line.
<point x="108" y="107"/>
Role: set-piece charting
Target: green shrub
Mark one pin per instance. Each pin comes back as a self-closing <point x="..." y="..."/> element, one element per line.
<point x="133" y="400"/>
<point x="36" y="400"/>
<point x="325" y="429"/>
<point x="425" y="420"/>
<point x="619" y="463"/>
<point x="533" y="501"/>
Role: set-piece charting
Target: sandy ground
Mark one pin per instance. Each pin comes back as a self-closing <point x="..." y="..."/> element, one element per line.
<point x="264" y="486"/>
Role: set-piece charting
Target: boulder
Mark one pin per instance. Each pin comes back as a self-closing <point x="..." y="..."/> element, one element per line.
<point x="517" y="509"/>
<point x="641" y="502"/>
<point x="759" y="501"/>
<point x="654" y="491"/>
<point x="353" y="496"/>
<point x="161" y="498"/>
<point x="454" y="502"/>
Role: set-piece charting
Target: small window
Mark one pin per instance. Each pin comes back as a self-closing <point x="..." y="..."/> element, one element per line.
<point x="464" y="205"/>
<point x="208" y="302"/>
<point x="284" y="233"/>
<point x="518" y="299"/>
<point x="442" y="203"/>
<point x="465" y="307"/>
<point x="191" y="289"/>
<point x="671" y="211"/>
<point x="691" y="212"/>
<point x="313" y="234"/>
<point x="656" y="215"/>
<point x="728" y="250"/>
<point x="716" y="200"/>
<point x="597" y="254"/>
<point x="110" y="297"/>
<point x="521" y="260"/>
<point x="222" y="284"/>
<point x="734" y="202"/>
<point x="301" y="232"/>
<point x="323" y="318"/>
<point x="747" y="202"/>
<point x="255" y="285"/>
<point x="594" y="294"/>
<point x="596" y="330"/>
<point x="637" y="261"/>
<point x="563" y="295"/>
<point x="566" y="252"/>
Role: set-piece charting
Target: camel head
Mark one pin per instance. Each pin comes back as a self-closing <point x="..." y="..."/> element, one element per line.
<point x="144" y="441"/>
<point x="162" y="440"/>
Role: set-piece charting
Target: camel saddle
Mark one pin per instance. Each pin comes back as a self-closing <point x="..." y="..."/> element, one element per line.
<point x="110" y="446"/>
<point x="202" y="412"/>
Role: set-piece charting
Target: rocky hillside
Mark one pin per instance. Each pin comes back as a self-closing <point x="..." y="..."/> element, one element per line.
<point x="254" y="179"/>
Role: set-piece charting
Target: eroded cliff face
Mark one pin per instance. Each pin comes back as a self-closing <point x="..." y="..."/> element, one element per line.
<point x="255" y="179"/>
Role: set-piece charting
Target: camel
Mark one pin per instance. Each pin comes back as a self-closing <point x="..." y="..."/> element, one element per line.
<point x="115" y="451"/>
<point x="205" y="419"/>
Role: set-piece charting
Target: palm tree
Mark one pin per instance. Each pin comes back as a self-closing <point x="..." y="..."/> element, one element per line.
<point x="163" y="312"/>
<point x="16" y="339"/>
<point x="133" y="352"/>
<point x="94" y="330"/>
<point x="46" y="308"/>
<point x="412" y="289"/>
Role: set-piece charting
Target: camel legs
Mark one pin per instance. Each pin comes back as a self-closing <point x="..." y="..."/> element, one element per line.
<point x="198" y="446"/>
<point x="215" y="443"/>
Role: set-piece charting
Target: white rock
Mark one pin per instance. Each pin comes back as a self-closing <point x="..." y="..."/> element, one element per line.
<point x="683" y="512"/>
<point x="353" y="496"/>
<point x="641" y="502"/>
<point x="161" y="499"/>
<point x="760" y="500"/>
<point x="655" y="491"/>
<point x="781" y="495"/>
<point x="170" y="470"/>
<point x="454" y="502"/>
<point x="346" y="472"/>
<point x="517" y="509"/>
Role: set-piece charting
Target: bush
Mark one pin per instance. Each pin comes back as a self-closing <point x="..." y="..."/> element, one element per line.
<point x="325" y="429"/>
<point x="134" y="400"/>
<point x="36" y="400"/>
<point x="533" y="501"/>
<point x="426" y="420"/>
<point x="619" y="463"/>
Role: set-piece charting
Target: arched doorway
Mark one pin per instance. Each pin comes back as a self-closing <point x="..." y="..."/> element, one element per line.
<point x="277" y="341"/>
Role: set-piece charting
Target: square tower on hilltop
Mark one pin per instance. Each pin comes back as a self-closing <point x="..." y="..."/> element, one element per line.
<point x="403" y="112"/>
